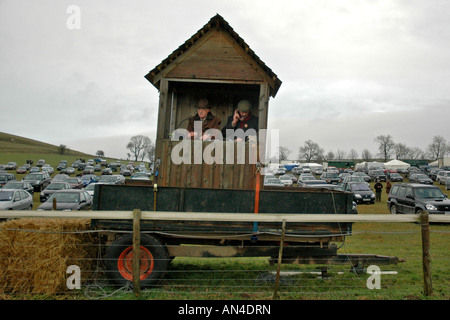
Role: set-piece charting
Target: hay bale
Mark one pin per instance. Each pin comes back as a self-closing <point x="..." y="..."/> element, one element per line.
<point x="35" y="254"/>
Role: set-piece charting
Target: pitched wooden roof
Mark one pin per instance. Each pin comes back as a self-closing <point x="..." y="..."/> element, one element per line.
<point x="254" y="68"/>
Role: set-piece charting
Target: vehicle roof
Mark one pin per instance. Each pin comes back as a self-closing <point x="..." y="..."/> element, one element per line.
<point x="71" y="191"/>
<point x="417" y="185"/>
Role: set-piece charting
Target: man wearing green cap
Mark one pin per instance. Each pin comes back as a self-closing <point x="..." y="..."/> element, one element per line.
<point x="242" y="119"/>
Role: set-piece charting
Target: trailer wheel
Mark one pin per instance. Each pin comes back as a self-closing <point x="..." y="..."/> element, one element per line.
<point x="153" y="260"/>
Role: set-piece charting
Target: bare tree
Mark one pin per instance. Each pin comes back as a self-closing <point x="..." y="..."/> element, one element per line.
<point x="385" y="146"/>
<point x="366" y="155"/>
<point x="352" y="155"/>
<point x="310" y="151"/>
<point x="438" y="148"/>
<point x="330" y="156"/>
<point x="341" y="155"/>
<point x="284" y="153"/>
<point x="150" y="151"/>
<point x="62" y="148"/>
<point x="137" y="146"/>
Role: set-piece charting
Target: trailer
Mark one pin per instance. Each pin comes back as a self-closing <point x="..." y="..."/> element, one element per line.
<point x="216" y="64"/>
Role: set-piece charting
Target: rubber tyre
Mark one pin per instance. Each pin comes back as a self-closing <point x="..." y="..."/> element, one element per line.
<point x="393" y="209"/>
<point x="119" y="261"/>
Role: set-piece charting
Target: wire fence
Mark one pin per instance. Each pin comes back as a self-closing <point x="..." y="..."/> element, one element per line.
<point x="71" y="262"/>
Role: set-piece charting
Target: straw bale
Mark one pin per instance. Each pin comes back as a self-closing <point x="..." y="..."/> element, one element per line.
<point x="35" y="254"/>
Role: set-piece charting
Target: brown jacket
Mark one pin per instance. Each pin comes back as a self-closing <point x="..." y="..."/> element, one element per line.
<point x="211" y="122"/>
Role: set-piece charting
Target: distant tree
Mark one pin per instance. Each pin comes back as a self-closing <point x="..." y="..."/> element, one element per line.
<point x="311" y="151"/>
<point x="352" y="155"/>
<point x="100" y="153"/>
<point x="62" y="148"/>
<point x="341" y="155"/>
<point x="330" y="156"/>
<point x="437" y="148"/>
<point x="366" y="155"/>
<point x="385" y="146"/>
<point x="137" y="146"/>
<point x="150" y="151"/>
<point x="284" y="153"/>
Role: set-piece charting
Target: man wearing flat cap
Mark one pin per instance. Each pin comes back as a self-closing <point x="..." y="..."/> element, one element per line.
<point x="208" y="121"/>
<point x="242" y="119"/>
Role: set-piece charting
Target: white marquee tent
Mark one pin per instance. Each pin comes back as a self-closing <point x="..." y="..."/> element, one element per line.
<point x="396" y="165"/>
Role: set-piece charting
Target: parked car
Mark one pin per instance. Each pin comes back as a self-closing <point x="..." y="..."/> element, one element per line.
<point x="40" y="162"/>
<point x="5" y="177"/>
<point x="420" y="178"/>
<point x="139" y="176"/>
<point x="21" y="185"/>
<point x="273" y="182"/>
<point x="69" y="170"/>
<point x="447" y="184"/>
<point x="330" y="177"/>
<point x="14" y="199"/>
<point x="361" y="192"/>
<point x="442" y="176"/>
<point x="48" y="168"/>
<point x="21" y="170"/>
<point x="39" y="180"/>
<point x="395" y="177"/>
<point x="52" y="188"/>
<point x="89" y="170"/>
<point x="305" y="177"/>
<point x="75" y="182"/>
<point x="60" y="177"/>
<point x="410" y="198"/>
<point x="361" y="174"/>
<point x="67" y="200"/>
<point x="61" y="165"/>
<point x="297" y="170"/>
<point x="433" y="173"/>
<point x="107" y="171"/>
<point x="286" y="180"/>
<point x="90" y="188"/>
<point x="311" y="183"/>
<point x="377" y="175"/>
<point x="11" y="166"/>
<point x="354" y="178"/>
<point x="88" y="178"/>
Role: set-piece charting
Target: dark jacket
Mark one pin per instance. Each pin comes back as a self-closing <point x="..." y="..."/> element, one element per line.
<point x="211" y="122"/>
<point x="251" y="122"/>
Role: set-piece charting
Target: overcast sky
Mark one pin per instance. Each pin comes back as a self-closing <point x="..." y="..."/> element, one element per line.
<point x="351" y="70"/>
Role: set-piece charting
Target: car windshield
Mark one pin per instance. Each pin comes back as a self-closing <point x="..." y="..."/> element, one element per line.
<point x="65" y="197"/>
<point x="55" y="186"/>
<point x="34" y="177"/>
<point x="429" y="193"/>
<point x="6" y="195"/>
<point x="421" y="176"/>
<point x="331" y="175"/>
<point x="12" y="185"/>
<point x="106" y="179"/>
<point x="3" y="177"/>
<point x="360" y="187"/>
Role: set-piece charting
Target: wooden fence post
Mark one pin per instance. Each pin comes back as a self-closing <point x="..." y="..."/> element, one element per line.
<point x="426" y="258"/>
<point x="280" y="257"/>
<point x="136" y="251"/>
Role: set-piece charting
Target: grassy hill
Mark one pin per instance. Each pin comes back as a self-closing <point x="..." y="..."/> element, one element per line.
<point x="20" y="149"/>
<point x="10" y="143"/>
